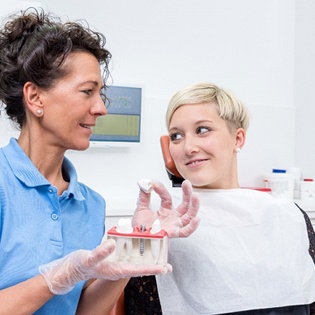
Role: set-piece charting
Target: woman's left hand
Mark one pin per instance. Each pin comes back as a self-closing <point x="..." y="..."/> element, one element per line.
<point x="179" y="222"/>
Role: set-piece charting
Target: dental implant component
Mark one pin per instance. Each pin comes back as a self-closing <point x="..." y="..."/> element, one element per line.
<point x="139" y="245"/>
<point x="141" y="240"/>
<point x="145" y="185"/>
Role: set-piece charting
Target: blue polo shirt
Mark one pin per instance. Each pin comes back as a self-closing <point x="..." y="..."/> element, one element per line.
<point x="38" y="226"/>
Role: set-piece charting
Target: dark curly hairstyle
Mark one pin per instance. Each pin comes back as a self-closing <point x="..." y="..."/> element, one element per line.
<point x="33" y="46"/>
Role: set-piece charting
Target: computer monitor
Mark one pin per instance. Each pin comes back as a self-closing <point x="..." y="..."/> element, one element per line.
<point x="122" y="124"/>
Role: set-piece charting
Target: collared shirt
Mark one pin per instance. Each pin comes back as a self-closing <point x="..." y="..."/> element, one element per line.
<point x="38" y="226"/>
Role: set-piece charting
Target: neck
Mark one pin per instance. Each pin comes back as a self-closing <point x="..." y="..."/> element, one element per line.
<point x="47" y="159"/>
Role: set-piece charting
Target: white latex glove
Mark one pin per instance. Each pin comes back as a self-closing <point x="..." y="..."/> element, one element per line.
<point x="179" y="222"/>
<point x="62" y="274"/>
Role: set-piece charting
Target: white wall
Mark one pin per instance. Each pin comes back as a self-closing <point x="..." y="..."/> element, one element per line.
<point x="245" y="46"/>
<point x="305" y="86"/>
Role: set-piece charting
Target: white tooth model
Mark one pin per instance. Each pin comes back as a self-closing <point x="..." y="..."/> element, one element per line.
<point x="155" y="243"/>
<point x="139" y="245"/>
<point x="124" y="226"/>
<point x="145" y="185"/>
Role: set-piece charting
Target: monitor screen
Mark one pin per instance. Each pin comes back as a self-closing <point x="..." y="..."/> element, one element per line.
<point x="122" y="124"/>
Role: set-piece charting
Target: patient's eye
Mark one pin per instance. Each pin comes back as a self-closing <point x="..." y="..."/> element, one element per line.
<point x="202" y="129"/>
<point x="175" y="136"/>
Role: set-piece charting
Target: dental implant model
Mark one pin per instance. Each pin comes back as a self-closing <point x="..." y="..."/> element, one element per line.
<point x="139" y="244"/>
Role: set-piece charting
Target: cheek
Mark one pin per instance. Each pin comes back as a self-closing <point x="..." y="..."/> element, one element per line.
<point x="175" y="153"/>
<point x="177" y="156"/>
<point x="219" y="146"/>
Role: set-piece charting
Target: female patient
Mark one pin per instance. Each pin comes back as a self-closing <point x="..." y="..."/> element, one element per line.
<point x="250" y="254"/>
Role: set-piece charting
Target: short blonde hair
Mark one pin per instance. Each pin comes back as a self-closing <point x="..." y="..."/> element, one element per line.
<point x="229" y="107"/>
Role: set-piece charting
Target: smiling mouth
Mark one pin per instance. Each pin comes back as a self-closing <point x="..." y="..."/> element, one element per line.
<point x="85" y="126"/>
<point x="196" y="162"/>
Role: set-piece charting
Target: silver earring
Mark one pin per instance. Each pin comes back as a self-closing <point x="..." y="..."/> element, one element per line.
<point x="238" y="150"/>
<point x="39" y="112"/>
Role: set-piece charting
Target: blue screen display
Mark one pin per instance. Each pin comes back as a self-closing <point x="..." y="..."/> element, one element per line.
<point x="123" y="120"/>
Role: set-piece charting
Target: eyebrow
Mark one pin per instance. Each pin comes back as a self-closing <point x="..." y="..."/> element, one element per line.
<point x="95" y="83"/>
<point x="203" y="121"/>
<point x="198" y="122"/>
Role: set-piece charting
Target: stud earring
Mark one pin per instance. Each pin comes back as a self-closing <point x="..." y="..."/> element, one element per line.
<point x="238" y="150"/>
<point x="39" y="112"/>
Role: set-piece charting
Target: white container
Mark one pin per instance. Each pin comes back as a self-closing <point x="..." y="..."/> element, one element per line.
<point x="307" y="190"/>
<point x="296" y="172"/>
<point x="281" y="184"/>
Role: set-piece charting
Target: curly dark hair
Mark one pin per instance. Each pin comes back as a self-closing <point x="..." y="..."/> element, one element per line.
<point x="33" y="46"/>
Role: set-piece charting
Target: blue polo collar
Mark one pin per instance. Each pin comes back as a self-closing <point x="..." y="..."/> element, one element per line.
<point x="26" y="172"/>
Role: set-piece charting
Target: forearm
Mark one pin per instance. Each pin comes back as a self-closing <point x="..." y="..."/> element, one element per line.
<point x="25" y="298"/>
<point x="100" y="296"/>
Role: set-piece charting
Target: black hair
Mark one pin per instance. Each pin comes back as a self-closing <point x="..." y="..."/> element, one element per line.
<point x="33" y="46"/>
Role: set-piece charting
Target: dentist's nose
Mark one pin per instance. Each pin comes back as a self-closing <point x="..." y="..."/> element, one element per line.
<point x="99" y="108"/>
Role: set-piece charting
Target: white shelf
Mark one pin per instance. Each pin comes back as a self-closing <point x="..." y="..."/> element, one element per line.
<point x="306" y="205"/>
<point x="309" y="207"/>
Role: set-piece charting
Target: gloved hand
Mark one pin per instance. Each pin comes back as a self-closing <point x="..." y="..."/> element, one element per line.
<point x="62" y="274"/>
<point x="179" y="222"/>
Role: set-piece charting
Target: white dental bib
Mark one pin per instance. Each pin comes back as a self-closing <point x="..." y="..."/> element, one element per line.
<point x="249" y="252"/>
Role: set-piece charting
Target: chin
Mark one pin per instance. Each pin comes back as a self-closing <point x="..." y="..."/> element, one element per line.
<point x="200" y="186"/>
<point x="84" y="148"/>
<point x="198" y="183"/>
<point x="81" y="146"/>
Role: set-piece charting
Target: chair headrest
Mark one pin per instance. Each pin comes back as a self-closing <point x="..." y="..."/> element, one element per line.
<point x="171" y="169"/>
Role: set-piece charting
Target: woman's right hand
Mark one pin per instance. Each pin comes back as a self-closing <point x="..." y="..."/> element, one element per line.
<point x="177" y="222"/>
<point x="61" y="275"/>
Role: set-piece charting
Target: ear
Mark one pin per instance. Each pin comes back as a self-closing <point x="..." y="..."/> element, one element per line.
<point x="32" y="97"/>
<point x="240" y="137"/>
